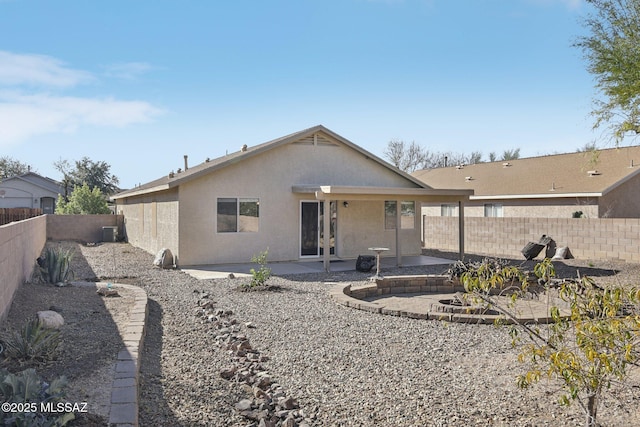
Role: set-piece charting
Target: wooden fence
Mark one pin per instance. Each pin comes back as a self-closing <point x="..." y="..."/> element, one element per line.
<point x="8" y="215"/>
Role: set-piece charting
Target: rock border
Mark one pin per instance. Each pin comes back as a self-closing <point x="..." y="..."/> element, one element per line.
<point x="436" y="285"/>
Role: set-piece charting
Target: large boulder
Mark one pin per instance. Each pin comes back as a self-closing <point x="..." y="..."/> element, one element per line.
<point x="50" y="319"/>
<point x="164" y="259"/>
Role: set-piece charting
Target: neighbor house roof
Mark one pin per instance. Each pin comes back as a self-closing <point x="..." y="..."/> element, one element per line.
<point x="172" y="180"/>
<point x="37" y="180"/>
<point x="580" y="174"/>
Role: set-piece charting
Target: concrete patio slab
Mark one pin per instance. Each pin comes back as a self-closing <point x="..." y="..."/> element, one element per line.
<point x="220" y="271"/>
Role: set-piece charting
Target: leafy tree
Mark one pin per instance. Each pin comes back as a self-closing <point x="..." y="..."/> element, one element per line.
<point x="593" y="339"/>
<point x="10" y="167"/>
<point x="83" y="200"/>
<point x="86" y="171"/>
<point x="612" y="52"/>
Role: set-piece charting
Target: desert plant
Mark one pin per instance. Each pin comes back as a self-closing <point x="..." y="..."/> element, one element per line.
<point x="36" y="402"/>
<point x="587" y="349"/>
<point x="33" y="342"/>
<point x="260" y="276"/>
<point x="55" y="266"/>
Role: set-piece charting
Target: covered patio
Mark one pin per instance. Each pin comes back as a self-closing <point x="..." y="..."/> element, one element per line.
<point x="329" y="193"/>
<point x="221" y="271"/>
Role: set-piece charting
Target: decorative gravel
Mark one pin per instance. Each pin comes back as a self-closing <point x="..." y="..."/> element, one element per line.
<point x="343" y="367"/>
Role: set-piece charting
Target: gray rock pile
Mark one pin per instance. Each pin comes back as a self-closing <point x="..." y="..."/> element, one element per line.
<point x="269" y="405"/>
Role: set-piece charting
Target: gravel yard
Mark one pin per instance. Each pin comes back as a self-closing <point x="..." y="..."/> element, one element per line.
<point x="344" y="367"/>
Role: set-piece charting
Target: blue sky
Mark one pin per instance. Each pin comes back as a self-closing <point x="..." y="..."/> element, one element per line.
<point x="140" y="83"/>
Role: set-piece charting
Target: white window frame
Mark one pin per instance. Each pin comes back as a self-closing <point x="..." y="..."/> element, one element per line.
<point x="493" y="210"/>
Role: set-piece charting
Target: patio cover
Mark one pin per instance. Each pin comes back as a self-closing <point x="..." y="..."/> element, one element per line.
<point x="398" y="194"/>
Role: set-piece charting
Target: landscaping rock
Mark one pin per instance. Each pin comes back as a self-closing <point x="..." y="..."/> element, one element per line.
<point x="50" y="319"/>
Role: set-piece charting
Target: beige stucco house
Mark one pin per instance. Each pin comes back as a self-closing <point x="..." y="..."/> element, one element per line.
<point x="601" y="184"/>
<point x="30" y="190"/>
<point x="311" y="195"/>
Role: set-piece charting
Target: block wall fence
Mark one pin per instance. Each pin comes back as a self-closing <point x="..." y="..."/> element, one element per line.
<point x="22" y="242"/>
<point x="587" y="238"/>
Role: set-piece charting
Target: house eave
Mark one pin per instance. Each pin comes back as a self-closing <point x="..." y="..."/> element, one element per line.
<point x="323" y="192"/>
<point x="134" y="193"/>
<point x="534" y="196"/>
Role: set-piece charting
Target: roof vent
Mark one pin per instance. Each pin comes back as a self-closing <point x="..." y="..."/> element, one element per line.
<point x="553" y="186"/>
<point x="593" y="173"/>
<point x="468" y="178"/>
<point x="244" y="148"/>
<point x="171" y="174"/>
<point x="179" y="170"/>
<point x="207" y="160"/>
<point x="460" y="167"/>
<point x="631" y="165"/>
<point x="506" y="164"/>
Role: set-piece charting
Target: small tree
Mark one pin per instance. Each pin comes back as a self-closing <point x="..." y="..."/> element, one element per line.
<point x="586" y="349"/>
<point x="613" y="58"/>
<point x="83" y="201"/>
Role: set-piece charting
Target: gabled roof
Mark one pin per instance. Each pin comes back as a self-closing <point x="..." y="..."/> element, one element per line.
<point x="173" y="180"/>
<point x="580" y="174"/>
<point x="37" y="180"/>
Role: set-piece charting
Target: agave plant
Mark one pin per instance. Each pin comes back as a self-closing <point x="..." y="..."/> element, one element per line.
<point x="55" y="266"/>
<point x="32" y="342"/>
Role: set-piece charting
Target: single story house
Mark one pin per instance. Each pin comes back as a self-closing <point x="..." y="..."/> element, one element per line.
<point x="600" y="184"/>
<point x="311" y="195"/>
<point x="30" y="190"/>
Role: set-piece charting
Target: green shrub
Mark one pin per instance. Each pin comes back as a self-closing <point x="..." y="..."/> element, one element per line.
<point x="29" y="392"/>
<point x="55" y="266"/>
<point x="33" y="342"/>
<point x="259" y="277"/>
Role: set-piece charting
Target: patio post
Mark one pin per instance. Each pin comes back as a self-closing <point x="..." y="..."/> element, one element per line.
<point x="398" y="227"/>
<point x="461" y="229"/>
<point x="326" y="234"/>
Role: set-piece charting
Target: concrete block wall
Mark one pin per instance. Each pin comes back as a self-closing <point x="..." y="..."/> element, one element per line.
<point x="20" y="244"/>
<point x="587" y="238"/>
<point x="81" y="228"/>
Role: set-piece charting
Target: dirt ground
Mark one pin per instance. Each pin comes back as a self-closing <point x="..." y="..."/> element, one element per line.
<point x="90" y="337"/>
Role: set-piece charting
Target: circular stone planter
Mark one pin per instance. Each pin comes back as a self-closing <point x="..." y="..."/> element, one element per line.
<point x="430" y="297"/>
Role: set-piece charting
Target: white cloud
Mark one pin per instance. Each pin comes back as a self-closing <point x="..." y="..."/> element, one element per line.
<point x="38" y="70"/>
<point x="28" y="108"/>
<point x="23" y="116"/>
<point x="128" y="70"/>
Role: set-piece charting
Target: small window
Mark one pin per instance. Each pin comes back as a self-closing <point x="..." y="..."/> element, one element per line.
<point x="249" y="215"/>
<point x="493" y="210"/>
<point x="448" y="210"/>
<point x="407" y="215"/>
<point x="238" y="215"/>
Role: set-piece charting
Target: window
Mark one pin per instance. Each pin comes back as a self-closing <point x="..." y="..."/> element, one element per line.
<point x="493" y="210"/>
<point x="448" y="210"/>
<point x="407" y="215"/>
<point x="238" y="215"/>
